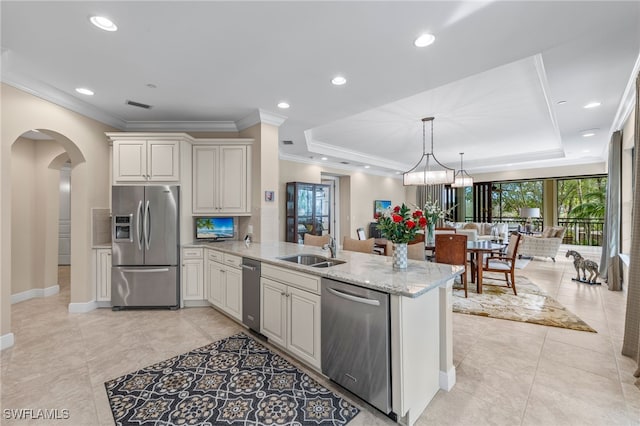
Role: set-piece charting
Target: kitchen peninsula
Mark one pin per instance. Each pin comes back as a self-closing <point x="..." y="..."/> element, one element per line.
<point x="420" y="305"/>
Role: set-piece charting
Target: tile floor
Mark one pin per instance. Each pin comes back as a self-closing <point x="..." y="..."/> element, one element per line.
<point x="508" y="373"/>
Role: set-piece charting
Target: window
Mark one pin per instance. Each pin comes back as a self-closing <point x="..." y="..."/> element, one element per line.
<point x="581" y="209"/>
<point x="507" y="198"/>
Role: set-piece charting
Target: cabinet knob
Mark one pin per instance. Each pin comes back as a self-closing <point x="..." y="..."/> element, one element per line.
<point x="283" y="294"/>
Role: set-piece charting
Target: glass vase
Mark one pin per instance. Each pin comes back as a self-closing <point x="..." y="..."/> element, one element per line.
<point x="430" y="234"/>
<point x="399" y="255"/>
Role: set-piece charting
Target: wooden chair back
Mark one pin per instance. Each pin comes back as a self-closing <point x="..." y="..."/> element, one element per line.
<point x="316" y="240"/>
<point x="415" y="251"/>
<point x="363" y="246"/>
<point x="452" y="250"/>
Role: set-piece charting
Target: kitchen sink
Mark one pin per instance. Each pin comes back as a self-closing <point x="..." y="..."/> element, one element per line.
<point x="312" y="260"/>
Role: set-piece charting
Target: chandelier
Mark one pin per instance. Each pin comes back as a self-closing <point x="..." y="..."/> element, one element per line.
<point x="462" y="177"/>
<point x="428" y="171"/>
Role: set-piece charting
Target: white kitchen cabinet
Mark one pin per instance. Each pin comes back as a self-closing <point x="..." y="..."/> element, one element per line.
<point x="221" y="178"/>
<point x="102" y="273"/>
<point x="289" y="314"/>
<point x="192" y="274"/>
<point x="141" y="160"/>
<point x="224" y="283"/>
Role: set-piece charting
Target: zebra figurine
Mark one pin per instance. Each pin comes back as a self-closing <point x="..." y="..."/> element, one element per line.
<point x="580" y="263"/>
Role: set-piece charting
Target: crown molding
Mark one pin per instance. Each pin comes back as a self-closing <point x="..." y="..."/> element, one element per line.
<point x="182" y="126"/>
<point x="49" y="93"/>
<point x="260" y="116"/>
<point x="337" y="166"/>
<point x="628" y="99"/>
<point x="360" y="157"/>
<point x="544" y="85"/>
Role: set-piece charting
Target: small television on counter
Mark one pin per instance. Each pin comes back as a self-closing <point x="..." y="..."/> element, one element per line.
<point x="215" y="228"/>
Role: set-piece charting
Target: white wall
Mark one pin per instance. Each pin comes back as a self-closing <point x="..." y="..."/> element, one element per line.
<point x="627" y="194"/>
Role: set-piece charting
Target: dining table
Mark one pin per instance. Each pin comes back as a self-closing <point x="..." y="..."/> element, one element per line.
<point x="477" y="250"/>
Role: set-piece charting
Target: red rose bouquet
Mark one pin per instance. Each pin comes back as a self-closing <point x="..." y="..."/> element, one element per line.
<point x="400" y="224"/>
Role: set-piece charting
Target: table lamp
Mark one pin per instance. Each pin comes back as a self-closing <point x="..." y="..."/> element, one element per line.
<point x="529" y="213"/>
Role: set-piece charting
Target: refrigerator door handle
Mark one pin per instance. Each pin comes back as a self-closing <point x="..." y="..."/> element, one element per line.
<point x="138" y="270"/>
<point x="147" y="225"/>
<point x="139" y="225"/>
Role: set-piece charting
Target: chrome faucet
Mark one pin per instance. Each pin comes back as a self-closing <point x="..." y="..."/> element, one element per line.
<point x="332" y="246"/>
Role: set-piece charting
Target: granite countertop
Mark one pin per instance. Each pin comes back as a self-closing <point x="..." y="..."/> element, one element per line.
<point x="366" y="270"/>
<point x="101" y="246"/>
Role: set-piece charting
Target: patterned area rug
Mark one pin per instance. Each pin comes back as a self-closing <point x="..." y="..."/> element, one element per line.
<point x="234" y="381"/>
<point x="530" y="305"/>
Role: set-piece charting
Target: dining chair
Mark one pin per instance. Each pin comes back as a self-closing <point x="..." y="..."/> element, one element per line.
<point x="505" y="263"/>
<point x="361" y="235"/>
<point x="452" y="249"/>
<point x="363" y="246"/>
<point x="416" y="251"/>
<point x="316" y="240"/>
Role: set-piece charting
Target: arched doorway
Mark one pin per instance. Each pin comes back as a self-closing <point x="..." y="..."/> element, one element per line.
<point x="37" y="158"/>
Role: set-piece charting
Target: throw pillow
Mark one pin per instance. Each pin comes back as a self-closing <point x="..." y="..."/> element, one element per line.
<point x="472" y="226"/>
<point x="559" y="232"/>
<point x="548" y="233"/>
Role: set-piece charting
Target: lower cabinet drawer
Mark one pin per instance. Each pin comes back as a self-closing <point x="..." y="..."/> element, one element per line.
<point x="293" y="278"/>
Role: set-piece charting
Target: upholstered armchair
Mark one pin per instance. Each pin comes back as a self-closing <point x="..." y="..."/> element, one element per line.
<point x="544" y="245"/>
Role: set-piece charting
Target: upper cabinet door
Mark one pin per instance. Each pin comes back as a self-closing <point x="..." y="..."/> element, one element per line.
<point x="205" y="179"/>
<point x="146" y="161"/>
<point x="221" y="179"/>
<point x="233" y="179"/>
<point x="163" y="161"/>
<point x="130" y="161"/>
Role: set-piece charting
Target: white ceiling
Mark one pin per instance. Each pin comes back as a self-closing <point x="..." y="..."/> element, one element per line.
<point x="492" y="79"/>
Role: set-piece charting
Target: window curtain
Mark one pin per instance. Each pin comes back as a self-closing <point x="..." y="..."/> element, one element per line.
<point x="610" y="267"/>
<point x="631" y="342"/>
<point x="430" y="193"/>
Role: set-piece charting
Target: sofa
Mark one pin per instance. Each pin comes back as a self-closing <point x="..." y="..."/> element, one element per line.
<point x="481" y="230"/>
<point x="544" y="245"/>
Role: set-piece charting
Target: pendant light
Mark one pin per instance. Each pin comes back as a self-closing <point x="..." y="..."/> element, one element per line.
<point x="428" y="171"/>
<point x="462" y="177"/>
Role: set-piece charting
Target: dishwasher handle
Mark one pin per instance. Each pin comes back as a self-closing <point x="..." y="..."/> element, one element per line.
<point x="353" y="298"/>
<point x="249" y="267"/>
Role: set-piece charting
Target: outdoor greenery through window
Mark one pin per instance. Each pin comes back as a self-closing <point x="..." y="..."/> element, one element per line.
<point x="507" y="198"/>
<point x="581" y="209"/>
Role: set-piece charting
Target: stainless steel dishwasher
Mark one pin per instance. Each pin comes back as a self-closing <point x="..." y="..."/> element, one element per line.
<point x="356" y="350"/>
<point x="251" y="293"/>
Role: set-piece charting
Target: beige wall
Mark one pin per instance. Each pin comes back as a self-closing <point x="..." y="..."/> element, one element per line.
<point x="357" y="193"/>
<point x="88" y="150"/>
<point x="34" y="209"/>
<point x="264" y="177"/>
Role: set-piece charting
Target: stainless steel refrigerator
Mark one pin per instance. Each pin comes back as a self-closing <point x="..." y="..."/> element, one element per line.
<point x="145" y="246"/>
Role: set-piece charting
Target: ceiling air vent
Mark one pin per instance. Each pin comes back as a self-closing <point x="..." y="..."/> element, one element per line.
<point x="138" y="104"/>
<point x="344" y="162"/>
<point x="287" y="142"/>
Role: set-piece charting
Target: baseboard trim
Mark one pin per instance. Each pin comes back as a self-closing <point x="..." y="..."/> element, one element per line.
<point x="448" y="379"/>
<point x="82" y="308"/>
<point x="35" y="292"/>
<point x="6" y="341"/>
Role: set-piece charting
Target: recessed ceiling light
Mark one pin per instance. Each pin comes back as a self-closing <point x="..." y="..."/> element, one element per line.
<point x="283" y="105"/>
<point x="84" y="91"/>
<point x="103" y="23"/>
<point x="324" y="158"/>
<point x="588" y="134"/>
<point x="592" y="105"/>
<point x="367" y="166"/>
<point x="562" y="102"/>
<point x="424" y="40"/>
<point x="338" y="80"/>
<point x="586" y="151"/>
